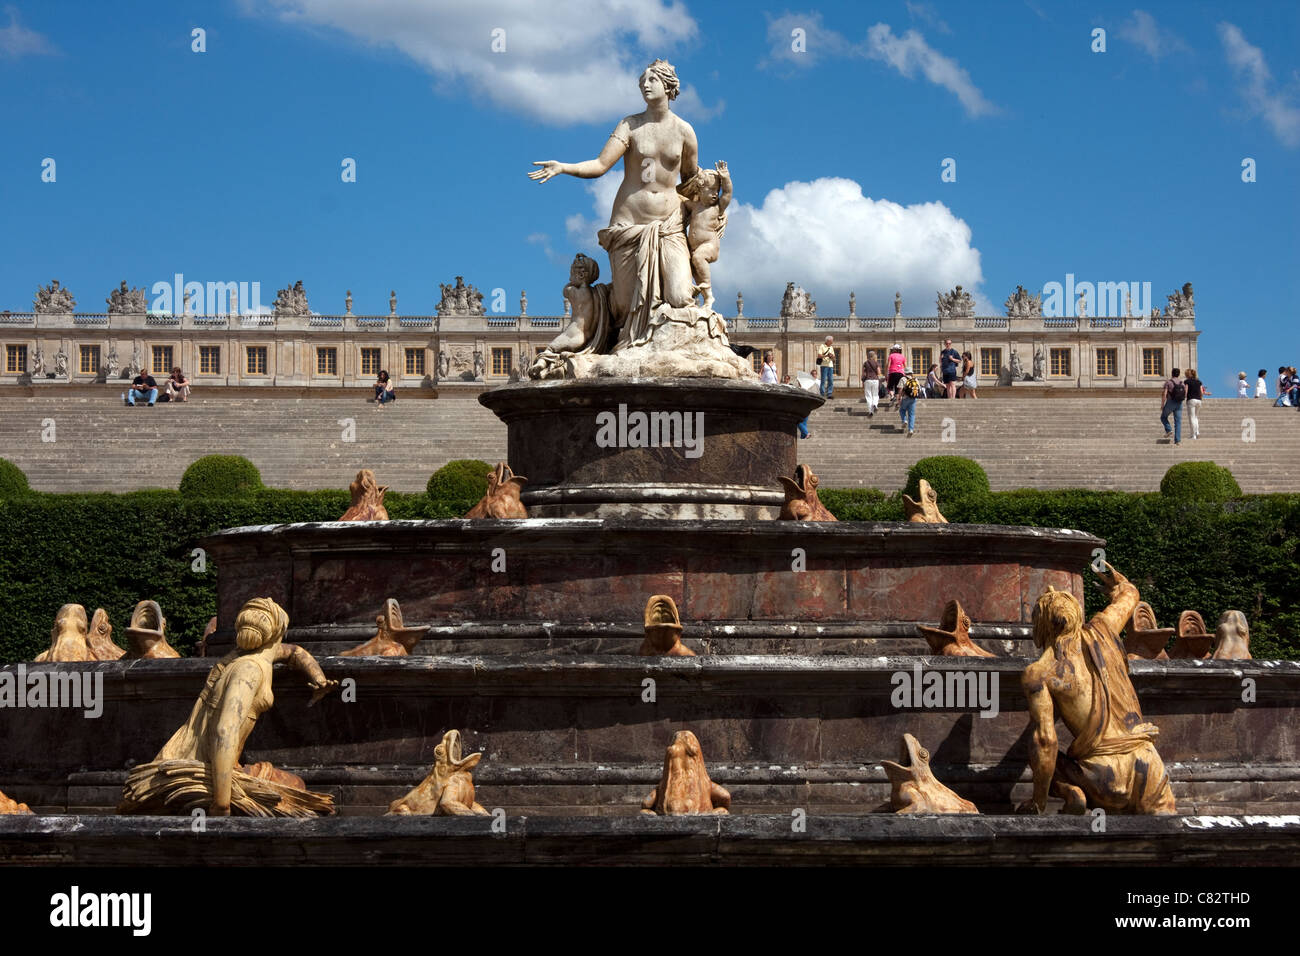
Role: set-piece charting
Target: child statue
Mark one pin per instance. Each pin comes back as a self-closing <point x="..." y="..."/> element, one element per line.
<point x="589" y="325"/>
<point x="199" y="767"/>
<point x="706" y="197"/>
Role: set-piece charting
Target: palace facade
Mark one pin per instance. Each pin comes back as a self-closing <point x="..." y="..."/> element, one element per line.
<point x="52" y="347"/>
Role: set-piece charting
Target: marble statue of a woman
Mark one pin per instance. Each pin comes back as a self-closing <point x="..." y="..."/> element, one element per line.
<point x="199" y="767"/>
<point x="650" y="260"/>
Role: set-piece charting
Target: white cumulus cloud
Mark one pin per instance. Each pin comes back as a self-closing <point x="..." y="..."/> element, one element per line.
<point x="18" y="41"/>
<point x="570" y="62"/>
<point x="1276" y="106"/>
<point x="1142" y="30"/>
<point x="828" y="237"/>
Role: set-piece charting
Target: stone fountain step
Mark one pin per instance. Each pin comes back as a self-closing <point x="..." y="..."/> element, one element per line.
<point x="749" y="839"/>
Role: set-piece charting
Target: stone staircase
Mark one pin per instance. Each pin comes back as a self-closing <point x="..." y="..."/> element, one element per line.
<point x="302" y="442"/>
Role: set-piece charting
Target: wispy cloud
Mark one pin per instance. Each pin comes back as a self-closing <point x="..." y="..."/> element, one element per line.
<point x="927" y="14"/>
<point x="1255" y="84"/>
<point x="802" y="39"/>
<point x="910" y="53"/>
<point x="17" y="41"/>
<point x="1142" y="30"/>
<point x="559" y="63"/>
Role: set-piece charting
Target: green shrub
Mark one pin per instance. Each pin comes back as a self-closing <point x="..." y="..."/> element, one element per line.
<point x="220" y="476"/>
<point x="13" y="481"/>
<point x="861" y="504"/>
<point x="954" y="479"/>
<point x="462" y="480"/>
<point x="1199" y="481"/>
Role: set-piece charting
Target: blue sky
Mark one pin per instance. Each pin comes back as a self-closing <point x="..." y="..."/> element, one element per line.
<point x="225" y="165"/>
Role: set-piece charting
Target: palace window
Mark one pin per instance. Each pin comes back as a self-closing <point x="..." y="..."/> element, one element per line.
<point x="327" y="361"/>
<point x="1060" y="362"/>
<point x="1153" y="362"/>
<point x="839" y="364"/>
<point x="370" y="361"/>
<point x="756" y="360"/>
<point x="15" y="359"/>
<point x="256" y="360"/>
<point x="415" y="362"/>
<point x="991" y="362"/>
<point x="1107" y="363"/>
<point x="922" y="359"/>
<point x="162" y="359"/>
<point x="89" y="360"/>
<point x="501" y="361"/>
<point x="209" y="359"/>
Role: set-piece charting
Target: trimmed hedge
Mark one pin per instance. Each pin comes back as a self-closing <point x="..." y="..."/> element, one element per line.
<point x="1182" y="554"/>
<point x="221" y="476"/>
<point x="461" y="480"/>
<point x="1199" y="481"/>
<point x="953" y="478"/>
<point x="13" y="481"/>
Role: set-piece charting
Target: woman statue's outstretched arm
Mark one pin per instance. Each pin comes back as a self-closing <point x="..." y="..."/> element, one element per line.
<point x="301" y="660"/>
<point x="587" y="169"/>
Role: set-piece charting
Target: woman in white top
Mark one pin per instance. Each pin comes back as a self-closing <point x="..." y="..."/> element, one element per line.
<point x="768" y="376"/>
<point x="1261" y="384"/>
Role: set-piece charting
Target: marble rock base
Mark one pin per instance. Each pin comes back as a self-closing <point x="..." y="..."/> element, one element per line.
<point x="691" y="448"/>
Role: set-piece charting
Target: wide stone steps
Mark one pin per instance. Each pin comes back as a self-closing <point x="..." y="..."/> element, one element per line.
<point x="1112" y="443"/>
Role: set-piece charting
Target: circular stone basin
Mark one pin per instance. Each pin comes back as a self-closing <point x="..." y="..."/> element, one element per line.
<point x="508" y="578"/>
<point x="668" y="448"/>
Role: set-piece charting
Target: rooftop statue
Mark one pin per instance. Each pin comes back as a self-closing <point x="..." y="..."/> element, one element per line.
<point x="145" y="633"/>
<point x="914" y="787"/>
<point x="684" y="785"/>
<point x="796" y="303"/>
<point x="502" y="498"/>
<point x="448" y="790"/>
<point x="1182" y="305"/>
<point x="952" y="637"/>
<point x="393" y="638"/>
<point x="199" y="767"/>
<point x="926" y="510"/>
<point x="663" y="629"/>
<point x="801" y="501"/>
<point x="126" y="301"/>
<point x="292" y="301"/>
<point x="1082" y="679"/>
<point x="53" y="298"/>
<point x="656" y="326"/>
<point x="1020" y="304"/>
<point x="367" y="498"/>
<point x="956" y="304"/>
<point x="460" y="299"/>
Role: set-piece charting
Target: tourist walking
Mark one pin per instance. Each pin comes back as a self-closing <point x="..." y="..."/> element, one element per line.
<point x="1261" y="384"/>
<point x="871" y="382"/>
<point x="949" y="359"/>
<point x="1243" y="386"/>
<point x="768" y="376"/>
<point x="894" y="369"/>
<point x="1283" y="387"/>
<point x="909" y="390"/>
<point x="1171" y="403"/>
<point x="1195" y="389"/>
<point x="968" y="379"/>
<point x="826" y="363"/>
<point x="934" y="387"/>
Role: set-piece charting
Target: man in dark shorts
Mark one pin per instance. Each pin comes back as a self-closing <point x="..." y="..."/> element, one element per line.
<point x="949" y="360"/>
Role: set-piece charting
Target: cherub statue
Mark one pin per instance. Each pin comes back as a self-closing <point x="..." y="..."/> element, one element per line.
<point x="587" y="306"/>
<point x="706" y="196"/>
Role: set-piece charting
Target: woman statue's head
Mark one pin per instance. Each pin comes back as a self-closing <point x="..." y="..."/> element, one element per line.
<point x="667" y="76"/>
<point x="261" y="622"/>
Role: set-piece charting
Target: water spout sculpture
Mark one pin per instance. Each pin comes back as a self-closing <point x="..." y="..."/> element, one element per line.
<point x="915" y="789"/>
<point x="926" y="510"/>
<point x="367" y="498"/>
<point x="801" y="501"/>
<point x="393" y="639"/>
<point x="684" y="786"/>
<point x="1193" y="642"/>
<point x="8" y="805"/>
<point x="663" y="629"/>
<point x="448" y="790"/>
<point x="145" y="633"/>
<point x="1143" y="640"/>
<point x="502" y="498"/>
<point x="69" y="639"/>
<point x="952" y="637"/>
<point x="1233" y="637"/>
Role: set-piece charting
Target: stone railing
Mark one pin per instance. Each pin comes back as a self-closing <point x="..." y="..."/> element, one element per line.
<point x="459" y="324"/>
